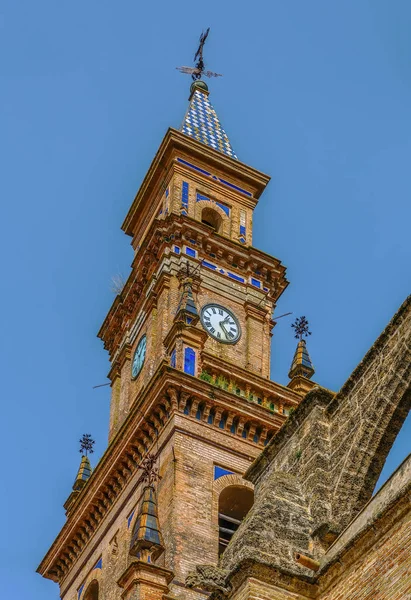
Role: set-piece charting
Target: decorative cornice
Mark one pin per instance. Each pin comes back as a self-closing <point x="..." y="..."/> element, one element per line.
<point x="168" y="392"/>
<point x="149" y="268"/>
<point x="271" y="389"/>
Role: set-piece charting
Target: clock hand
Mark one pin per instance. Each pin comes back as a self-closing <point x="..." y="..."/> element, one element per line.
<point x="221" y="323"/>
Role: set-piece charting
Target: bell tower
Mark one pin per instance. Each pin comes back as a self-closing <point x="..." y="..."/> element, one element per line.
<point x="189" y="344"/>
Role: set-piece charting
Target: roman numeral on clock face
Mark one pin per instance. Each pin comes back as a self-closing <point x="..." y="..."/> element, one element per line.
<point x="220" y="323"/>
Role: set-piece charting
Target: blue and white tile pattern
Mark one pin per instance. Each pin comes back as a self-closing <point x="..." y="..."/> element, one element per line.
<point x="201" y="123"/>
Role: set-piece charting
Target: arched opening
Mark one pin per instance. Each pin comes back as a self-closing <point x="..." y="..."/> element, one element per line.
<point x="223" y="420"/>
<point x="92" y="591"/>
<point x="211" y="417"/>
<point x="233" y="504"/>
<point x="211" y="218"/>
<point x="200" y="411"/>
<point x="187" y="407"/>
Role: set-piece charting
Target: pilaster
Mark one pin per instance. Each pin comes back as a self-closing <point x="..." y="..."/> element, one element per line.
<point x="145" y="581"/>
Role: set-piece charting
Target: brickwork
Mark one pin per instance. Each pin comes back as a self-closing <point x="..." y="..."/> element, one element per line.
<point x="314" y="476"/>
<point x="383" y="573"/>
<point x="187" y="504"/>
<point x="156" y="316"/>
<point x="336" y="446"/>
<point x="317" y="474"/>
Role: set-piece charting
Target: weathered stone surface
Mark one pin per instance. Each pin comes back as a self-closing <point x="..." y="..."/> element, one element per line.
<point x="209" y="578"/>
<point x="320" y="469"/>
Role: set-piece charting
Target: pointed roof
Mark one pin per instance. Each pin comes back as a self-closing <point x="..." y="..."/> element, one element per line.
<point x="83" y="474"/>
<point x="202" y="123"/>
<point x="187" y="304"/>
<point x="146" y="540"/>
<point x="301" y="364"/>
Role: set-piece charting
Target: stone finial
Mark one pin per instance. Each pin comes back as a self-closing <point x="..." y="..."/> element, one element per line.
<point x="301" y="365"/>
<point x="187" y="309"/>
<point x="83" y="475"/>
<point x="146" y="540"/>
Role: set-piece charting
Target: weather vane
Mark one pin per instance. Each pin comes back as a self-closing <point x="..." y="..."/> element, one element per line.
<point x="300" y="327"/>
<point x="86" y="444"/>
<point x="197" y="71"/>
<point x="149" y="468"/>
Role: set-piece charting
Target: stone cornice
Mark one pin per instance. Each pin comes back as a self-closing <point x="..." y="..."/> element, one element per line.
<point x="275" y="390"/>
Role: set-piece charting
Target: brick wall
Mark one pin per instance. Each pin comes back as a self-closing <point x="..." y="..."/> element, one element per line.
<point x="384" y="573"/>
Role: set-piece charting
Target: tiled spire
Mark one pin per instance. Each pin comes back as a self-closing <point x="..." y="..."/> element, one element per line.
<point x="202" y="123"/>
<point x="301" y="365"/>
<point x="187" y="310"/>
<point x="146" y="540"/>
<point x="83" y="475"/>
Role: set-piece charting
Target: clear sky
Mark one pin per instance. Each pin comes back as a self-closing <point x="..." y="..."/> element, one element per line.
<point x="317" y="94"/>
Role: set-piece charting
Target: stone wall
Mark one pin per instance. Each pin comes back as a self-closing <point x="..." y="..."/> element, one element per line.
<point x="320" y="470"/>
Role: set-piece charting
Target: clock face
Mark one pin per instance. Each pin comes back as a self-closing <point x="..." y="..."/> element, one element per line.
<point x="220" y="323"/>
<point x="139" y="356"/>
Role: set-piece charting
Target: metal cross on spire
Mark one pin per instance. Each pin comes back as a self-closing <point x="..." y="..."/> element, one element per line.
<point x="86" y="444"/>
<point x="149" y="468"/>
<point x="300" y="327"/>
<point x="199" y="69"/>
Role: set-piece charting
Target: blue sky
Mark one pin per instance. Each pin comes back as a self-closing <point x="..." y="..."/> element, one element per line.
<point x="316" y="94"/>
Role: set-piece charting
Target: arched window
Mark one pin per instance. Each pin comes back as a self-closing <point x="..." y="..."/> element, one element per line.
<point x="233" y="504"/>
<point x="223" y="420"/>
<point x="187" y="407"/>
<point x="211" y="416"/>
<point x="234" y="425"/>
<point x="200" y="411"/>
<point x="211" y="218"/>
<point x="257" y="435"/>
<point x="246" y="431"/>
<point x="268" y="438"/>
<point x="92" y="591"/>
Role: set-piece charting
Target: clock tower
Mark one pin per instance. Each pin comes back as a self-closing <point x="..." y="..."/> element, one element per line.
<point x="188" y="338"/>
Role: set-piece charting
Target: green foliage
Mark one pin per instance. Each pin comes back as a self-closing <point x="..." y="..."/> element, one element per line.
<point x="222" y="382"/>
<point x="298" y="454"/>
<point x="205" y="376"/>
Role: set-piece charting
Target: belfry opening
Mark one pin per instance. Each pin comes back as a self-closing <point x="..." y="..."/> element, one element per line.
<point x="234" y="503"/>
<point x="211" y="218"/>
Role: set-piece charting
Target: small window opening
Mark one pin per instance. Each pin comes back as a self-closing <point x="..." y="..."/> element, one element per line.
<point x="211" y="218"/>
<point x="92" y="591"/>
<point x="200" y="411"/>
<point x="257" y="435"/>
<point x="234" y="425"/>
<point x="187" y="407"/>
<point x="245" y="431"/>
<point x="223" y="421"/>
<point x="211" y="417"/>
<point x="233" y="505"/>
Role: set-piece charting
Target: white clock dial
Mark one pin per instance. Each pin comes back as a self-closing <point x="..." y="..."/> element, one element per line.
<point x="220" y="323"/>
<point x="139" y="356"/>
